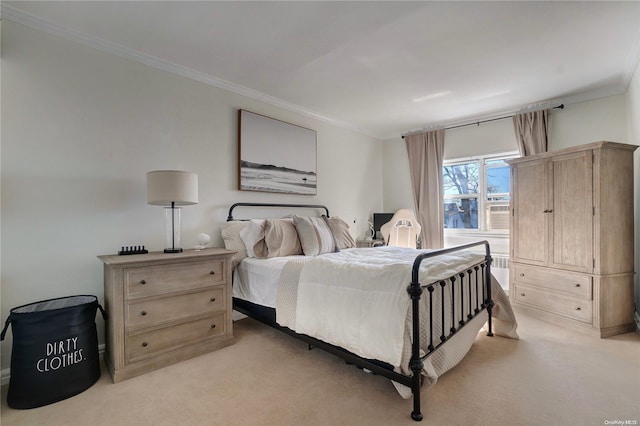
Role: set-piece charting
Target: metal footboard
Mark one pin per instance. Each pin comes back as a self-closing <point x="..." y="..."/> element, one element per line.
<point x="477" y="277"/>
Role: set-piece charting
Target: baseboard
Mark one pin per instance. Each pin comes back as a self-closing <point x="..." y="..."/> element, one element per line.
<point x="636" y="318"/>
<point x="5" y="374"/>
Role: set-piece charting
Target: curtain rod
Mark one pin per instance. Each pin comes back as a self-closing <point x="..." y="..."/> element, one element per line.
<point x="477" y="123"/>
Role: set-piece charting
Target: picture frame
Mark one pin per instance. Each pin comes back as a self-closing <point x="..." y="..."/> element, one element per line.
<point x="275" y="156"/>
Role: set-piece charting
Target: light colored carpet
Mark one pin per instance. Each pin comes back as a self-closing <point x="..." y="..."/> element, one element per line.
<point x="551" y="376"/>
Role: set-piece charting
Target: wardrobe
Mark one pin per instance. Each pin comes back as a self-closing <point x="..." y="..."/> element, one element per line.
<point x="571" y="239"/>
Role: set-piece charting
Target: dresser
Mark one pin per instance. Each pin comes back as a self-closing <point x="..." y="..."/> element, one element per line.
<point x="164" y="308"/>
<point x="571" y="242"/>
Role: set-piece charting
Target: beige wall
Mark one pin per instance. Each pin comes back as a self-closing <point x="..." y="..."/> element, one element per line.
<point x="633" y="121"/>
<point x="80" y="129"/>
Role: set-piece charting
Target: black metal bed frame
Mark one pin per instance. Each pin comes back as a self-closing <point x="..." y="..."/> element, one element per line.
<point x="483" y="301"/>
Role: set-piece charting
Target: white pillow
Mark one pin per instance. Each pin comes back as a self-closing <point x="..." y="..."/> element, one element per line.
<point x="252" y="234"/>
<point x="232" y="241"/>
<point x="340" y="230"/>
<point x="315" y="235"/>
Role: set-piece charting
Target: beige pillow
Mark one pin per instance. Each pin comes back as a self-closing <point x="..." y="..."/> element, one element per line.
<point x="315" y="235"/>
<point x="253" y="238"/>
<point x="281" y="238"/>
<point x="232" y="241"/>
<point x="340" y="230"/>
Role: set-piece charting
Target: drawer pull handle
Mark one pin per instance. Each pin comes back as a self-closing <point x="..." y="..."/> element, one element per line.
<point x="577" y="285"/>
<point x="522" y="275"/>
<point x="212" y="272"/>
<point x="145" y="344"/>
<point x="143" y="313"/>
<point x="213" y="325"/>
<point x="213" y="299"/>
<point x="578" y="308"/>
<point x="522" y="294"/>
<point x="143" y="282"/>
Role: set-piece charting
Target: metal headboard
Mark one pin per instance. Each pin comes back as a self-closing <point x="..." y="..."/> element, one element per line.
<point x="304" y="206"/>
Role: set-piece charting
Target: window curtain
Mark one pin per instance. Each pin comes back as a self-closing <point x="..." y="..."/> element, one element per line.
<point x="426" y="154"/>
<point x="532" y="131"/>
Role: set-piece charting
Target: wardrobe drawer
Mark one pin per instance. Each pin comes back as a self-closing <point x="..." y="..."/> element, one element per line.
<point x="565" y="305"/>
<point x="139" y="346"/>
<point x="567" y="282"/>
<point x="143" y="313"/>
<point x="162" y="279"/>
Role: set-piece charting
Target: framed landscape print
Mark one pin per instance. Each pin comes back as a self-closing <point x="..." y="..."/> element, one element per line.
<point x="275" y="156"/>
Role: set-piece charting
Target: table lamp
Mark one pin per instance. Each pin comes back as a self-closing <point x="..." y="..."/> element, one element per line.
<point x="172" y="188"/>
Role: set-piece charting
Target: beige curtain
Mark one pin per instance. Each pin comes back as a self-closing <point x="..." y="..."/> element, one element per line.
<point x="532" y="131"/>
<point x="426" y="153"/>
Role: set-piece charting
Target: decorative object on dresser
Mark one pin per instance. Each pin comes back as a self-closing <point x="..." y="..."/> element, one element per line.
<point x="572" y="236"/>
<point x="165" y="308"/>
<point x="172" y="188"/>
<point x="128" y="250"/>
<point x="203" y="240"/>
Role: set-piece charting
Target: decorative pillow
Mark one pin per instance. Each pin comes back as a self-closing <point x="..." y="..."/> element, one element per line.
<point x="253" y="238"/>
<point x="281" y="238"/>
<point x="315" y="235"/>
<point x="340" y="230"/>
<point x="232" y="241"/>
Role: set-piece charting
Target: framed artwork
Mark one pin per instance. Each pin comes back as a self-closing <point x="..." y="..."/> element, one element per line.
<point x="275" y="156"/>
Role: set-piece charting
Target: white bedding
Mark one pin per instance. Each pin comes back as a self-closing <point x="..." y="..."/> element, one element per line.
<point x="257" y="280"/>
<point x="357" y="299"/>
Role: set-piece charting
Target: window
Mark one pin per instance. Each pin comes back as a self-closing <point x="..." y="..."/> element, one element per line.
<point x="476" y="193"/>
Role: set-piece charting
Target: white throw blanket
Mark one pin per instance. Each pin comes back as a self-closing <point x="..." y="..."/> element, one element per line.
<point x="357" y="299"/>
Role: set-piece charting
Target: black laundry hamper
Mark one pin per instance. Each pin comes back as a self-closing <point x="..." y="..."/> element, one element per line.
<point x="55" y="350"/>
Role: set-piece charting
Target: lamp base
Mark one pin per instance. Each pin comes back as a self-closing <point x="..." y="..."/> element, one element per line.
<point x="173" y="250"/>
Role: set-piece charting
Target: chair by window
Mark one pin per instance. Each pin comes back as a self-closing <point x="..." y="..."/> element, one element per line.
<point x="402" y="230"/>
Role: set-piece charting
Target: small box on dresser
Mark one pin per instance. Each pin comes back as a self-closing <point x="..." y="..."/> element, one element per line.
<point x="165" y="308"/>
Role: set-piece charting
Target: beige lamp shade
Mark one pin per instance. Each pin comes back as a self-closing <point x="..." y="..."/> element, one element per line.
<point x="172" y="186"/>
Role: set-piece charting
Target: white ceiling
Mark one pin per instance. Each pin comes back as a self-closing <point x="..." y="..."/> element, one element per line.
<point x="383" y="68"/>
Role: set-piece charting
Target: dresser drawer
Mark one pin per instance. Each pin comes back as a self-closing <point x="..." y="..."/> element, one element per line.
<point x="162" y="279"/>
<point x="144" y="313"/>
<point x="572" y="307"/>
<point x="142" y="345"/>
<point x="567" y="282"/>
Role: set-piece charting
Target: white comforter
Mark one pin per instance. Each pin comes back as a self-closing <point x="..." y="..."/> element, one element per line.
<point x="357" y="299"/>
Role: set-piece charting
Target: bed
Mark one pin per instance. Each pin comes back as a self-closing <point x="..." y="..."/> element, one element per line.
<point x="408" y="315"/>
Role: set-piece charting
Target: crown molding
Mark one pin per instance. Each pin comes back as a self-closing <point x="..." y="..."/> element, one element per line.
<point x="15" y="15"/>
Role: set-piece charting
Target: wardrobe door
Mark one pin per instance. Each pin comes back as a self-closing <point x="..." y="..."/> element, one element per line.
<point x="571" y="212"/>
<point x="529" y="202"/>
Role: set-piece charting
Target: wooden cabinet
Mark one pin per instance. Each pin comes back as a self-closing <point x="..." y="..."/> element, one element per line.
<point x="572" y="236"/>
<point x="164" y="308"/>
